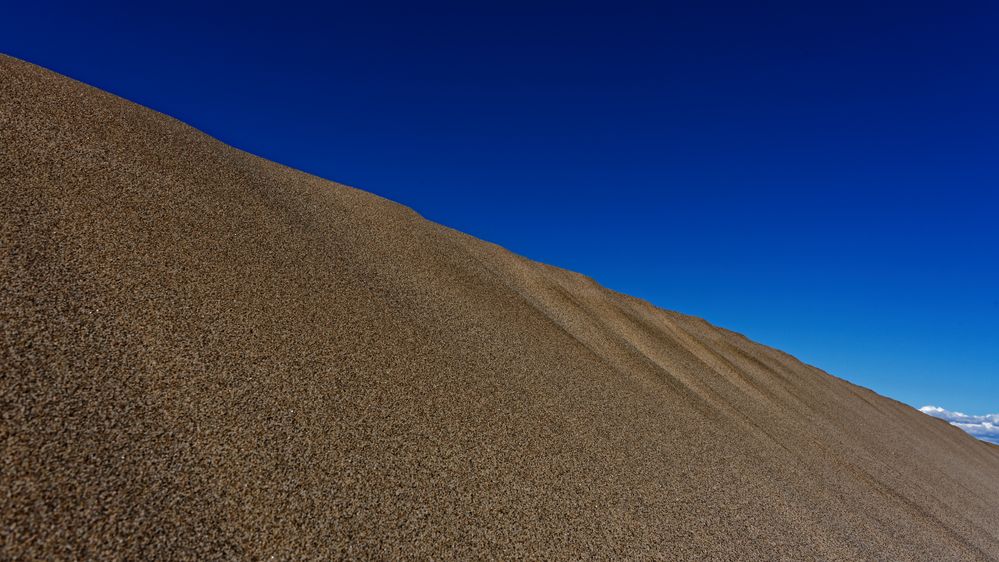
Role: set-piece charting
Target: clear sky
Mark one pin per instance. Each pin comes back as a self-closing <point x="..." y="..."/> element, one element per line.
<point x="820" y="176"/>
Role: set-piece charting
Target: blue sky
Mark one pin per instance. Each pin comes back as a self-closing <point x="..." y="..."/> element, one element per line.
<point x="822" y="177"/>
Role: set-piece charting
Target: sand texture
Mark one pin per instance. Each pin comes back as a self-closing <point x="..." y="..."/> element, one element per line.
<point x="206" y="355"/>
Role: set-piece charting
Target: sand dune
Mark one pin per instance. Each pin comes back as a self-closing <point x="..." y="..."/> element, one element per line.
<point x="206" y="355"/>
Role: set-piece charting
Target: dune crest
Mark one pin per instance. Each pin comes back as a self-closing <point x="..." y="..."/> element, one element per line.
<point x="208" y="355"/>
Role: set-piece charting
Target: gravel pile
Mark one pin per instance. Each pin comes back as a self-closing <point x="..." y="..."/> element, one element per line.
<point x="206" y="355"/>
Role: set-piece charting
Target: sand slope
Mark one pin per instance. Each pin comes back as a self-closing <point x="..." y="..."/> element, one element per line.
<point x="206" y="355"/>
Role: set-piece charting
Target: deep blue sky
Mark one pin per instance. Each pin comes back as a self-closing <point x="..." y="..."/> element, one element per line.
<point x="821" y="176"/>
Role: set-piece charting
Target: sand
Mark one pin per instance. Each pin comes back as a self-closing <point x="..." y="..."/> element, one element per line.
<point x="205" y="355"/>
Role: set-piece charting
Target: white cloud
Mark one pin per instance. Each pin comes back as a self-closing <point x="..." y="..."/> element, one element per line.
<point x="984" y="427"/>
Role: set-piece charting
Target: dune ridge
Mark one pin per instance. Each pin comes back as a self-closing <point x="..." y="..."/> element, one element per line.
<point x="207" y="355"/>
